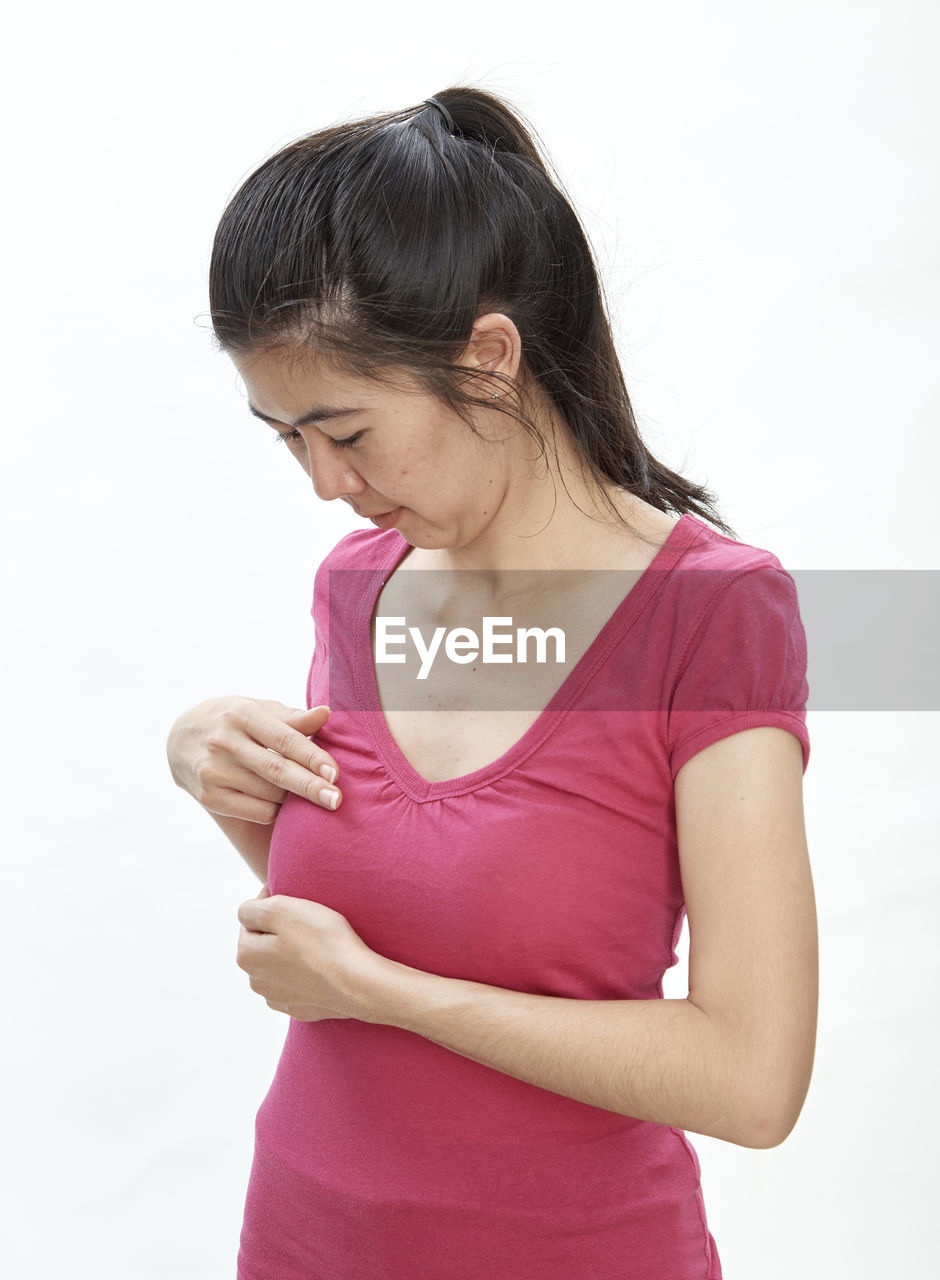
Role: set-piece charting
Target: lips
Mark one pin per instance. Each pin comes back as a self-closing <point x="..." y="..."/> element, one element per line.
<point x="387" y="518"/>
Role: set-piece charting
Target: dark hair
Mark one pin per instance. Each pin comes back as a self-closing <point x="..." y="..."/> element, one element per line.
<point x="381" y="241"/>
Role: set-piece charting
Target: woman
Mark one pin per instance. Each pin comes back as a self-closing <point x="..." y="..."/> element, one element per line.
<point x="474" y="884"/>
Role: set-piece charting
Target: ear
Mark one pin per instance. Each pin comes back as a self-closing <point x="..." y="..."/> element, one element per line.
<point x="494" y="346"/>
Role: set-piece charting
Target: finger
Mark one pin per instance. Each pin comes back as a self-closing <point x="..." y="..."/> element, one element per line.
<point x="305" y="1012"/>
<point x="299" y="717"/>
<point x="240" y="767"/>
<point x="303" y="724"/>
<point x="305" y="720"/>
<point x="294" y="748"/>
<point x="235" y="804"/>
<point x="258" y="915"/>
<point x="235" y="777"/>
<point x="300" y="777"/>
<point x="243" y="952"/>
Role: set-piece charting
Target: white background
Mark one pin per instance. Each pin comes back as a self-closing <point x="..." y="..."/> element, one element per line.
<point x="761" y="185"/>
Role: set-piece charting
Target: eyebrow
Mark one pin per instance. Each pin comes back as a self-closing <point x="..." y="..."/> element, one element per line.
<point x="320" y="414"/>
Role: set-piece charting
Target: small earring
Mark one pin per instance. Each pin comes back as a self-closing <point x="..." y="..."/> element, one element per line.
<point x="495" y="395"/>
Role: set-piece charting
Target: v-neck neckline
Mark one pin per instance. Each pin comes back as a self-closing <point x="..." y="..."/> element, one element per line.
<point x="611" y="633"/>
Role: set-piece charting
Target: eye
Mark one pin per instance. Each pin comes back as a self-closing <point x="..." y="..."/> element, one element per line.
<point x="348" y="442"/>
<point x="289" y="437"/>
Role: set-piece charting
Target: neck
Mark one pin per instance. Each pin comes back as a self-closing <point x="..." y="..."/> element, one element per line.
<point x="553" y="517"/>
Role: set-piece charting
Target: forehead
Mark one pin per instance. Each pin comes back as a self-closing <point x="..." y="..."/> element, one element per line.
<point x="283" y="382"/>
<point x="288" y="371"/>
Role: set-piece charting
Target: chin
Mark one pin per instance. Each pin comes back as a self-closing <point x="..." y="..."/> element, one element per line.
<point x="420" y="534"/>
<point x="429" y="541"/>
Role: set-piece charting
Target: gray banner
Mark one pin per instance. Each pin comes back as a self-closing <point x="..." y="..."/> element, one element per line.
<point x="832" y="640"/>
<point x="871" y="637"/>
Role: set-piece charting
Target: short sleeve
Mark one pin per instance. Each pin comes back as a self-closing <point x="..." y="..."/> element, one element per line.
<point x="743" y="666"/>
<point x="318" y="693"/>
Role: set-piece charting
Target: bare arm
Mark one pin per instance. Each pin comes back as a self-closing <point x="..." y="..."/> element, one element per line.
<point x="251" y="839"/>
<point x="733" y="1060"/>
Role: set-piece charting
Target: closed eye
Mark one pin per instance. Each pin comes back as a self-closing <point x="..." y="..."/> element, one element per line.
<point x="289" y="436"/>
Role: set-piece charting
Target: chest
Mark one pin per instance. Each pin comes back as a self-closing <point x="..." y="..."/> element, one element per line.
<point x="457" y="697"/>
<point x="561" y="875"/>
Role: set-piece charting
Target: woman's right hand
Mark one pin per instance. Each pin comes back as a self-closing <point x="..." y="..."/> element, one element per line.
<point x="240" y="756"/>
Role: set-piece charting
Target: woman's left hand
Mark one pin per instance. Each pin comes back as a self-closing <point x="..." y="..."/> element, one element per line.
<point x="303" y="957"/>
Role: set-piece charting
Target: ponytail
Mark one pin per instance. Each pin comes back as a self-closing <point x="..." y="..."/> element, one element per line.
<point x="382" y="240"/>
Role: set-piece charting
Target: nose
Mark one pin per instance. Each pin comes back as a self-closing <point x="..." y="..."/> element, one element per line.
<point x="332" y="475"/>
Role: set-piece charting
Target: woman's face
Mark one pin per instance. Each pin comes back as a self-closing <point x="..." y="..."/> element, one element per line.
<point x="386" y="449"/>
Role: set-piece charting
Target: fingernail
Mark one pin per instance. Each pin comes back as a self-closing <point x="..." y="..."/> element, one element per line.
<point x="331" y="797"/>
<point x="327" y="771"/>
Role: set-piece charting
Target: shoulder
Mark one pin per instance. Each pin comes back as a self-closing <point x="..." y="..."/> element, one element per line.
<point x="365" y="549"/>
<point x="715" y="574"/>
<point x="703" y="547"/>
<point x="738" y="655"/>
<point x="338" y="580"/>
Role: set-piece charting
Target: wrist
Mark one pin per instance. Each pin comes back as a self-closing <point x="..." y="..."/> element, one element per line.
<point x="394" y="994"/>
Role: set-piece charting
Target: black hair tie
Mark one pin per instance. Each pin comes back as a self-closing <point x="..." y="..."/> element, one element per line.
<point x="448" y="118"/>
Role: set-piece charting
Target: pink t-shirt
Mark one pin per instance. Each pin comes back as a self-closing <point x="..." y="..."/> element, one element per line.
<point x="380" y="1155"/>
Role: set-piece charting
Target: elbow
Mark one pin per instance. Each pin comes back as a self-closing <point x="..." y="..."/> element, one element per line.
<point x="757" y="1127"/>
<point x="757" y="1134"/>
<point x="760" y="1083"/>
<point x="771" y="1121"/>
<point x="771" y="1090"/>
<point x="764" y="1137"/>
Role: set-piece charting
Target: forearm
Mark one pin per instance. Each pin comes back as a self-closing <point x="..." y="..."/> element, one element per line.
<point x="664" y="1061"/>
<point x="251" y="839"/>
